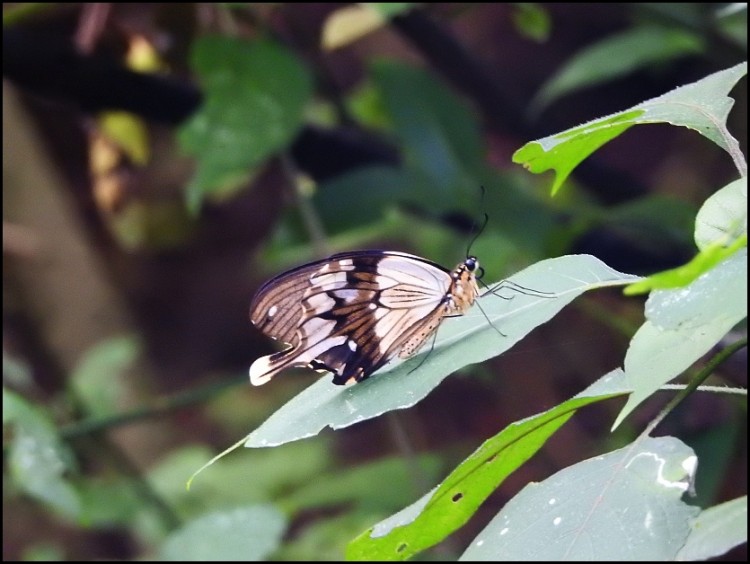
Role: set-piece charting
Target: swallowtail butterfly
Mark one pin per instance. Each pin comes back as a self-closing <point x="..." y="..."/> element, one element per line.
<point x="353" y="312"/>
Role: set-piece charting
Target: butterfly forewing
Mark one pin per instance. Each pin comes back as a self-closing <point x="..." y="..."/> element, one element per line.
<point x="353" y="312"/>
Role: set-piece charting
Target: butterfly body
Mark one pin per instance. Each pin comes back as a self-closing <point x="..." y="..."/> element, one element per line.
<point x="353" y="312"/>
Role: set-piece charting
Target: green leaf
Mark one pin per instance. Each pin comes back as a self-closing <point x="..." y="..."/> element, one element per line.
<point x="350" y="23"/>
<point x="97" y="379"/>
<point x="456" y="499"/>
<point x="720" y="231"/>
<point x="381" y="485"/>
<point x="532" y="21"/>
<point x="683" y="275"/>
<point x="37" y="459"/>
<point x="622" y="506"/>
<point x="246" y="533"/>
<point x="439" y="134"/>
<point x="274" y="473"/>
<point x="366" y="194"/>
<point x="723" y="216"/>
<point x="616" y="56"/>
<point x="255" y="95"/>
<point x="324" y="540"/>
<point x="703" y="106"/>
<point x="716" y="530"/>
<point x="682" y="325"/>
<point x="460" y="341"/>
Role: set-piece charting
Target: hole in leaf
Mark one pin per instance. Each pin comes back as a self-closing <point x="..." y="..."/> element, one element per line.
<point x="457" y="497"/>
<point x="401" y="547"/>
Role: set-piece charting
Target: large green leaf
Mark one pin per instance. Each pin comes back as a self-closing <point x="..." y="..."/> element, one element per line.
<point x="682" y="325"/>
<point x="37" y="459"/>
<point x="439" y="134"/>
<point x="615" y="56"/>
<point x="254" y="98"/>
<point x="720" y="231"/>
<point x="716" y="530"/>
<point x="460" y="341"/>
<point x="247" y="533"/>
<point x="723" y="217"/>
<point x="448" y="506"/>
<point x="703" y="106"/>
<point x="624" y="505"/>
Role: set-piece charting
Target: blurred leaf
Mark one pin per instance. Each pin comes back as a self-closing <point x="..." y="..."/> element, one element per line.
<point x="16" y="373"/>
<point x="350" y="23"/>
<point x="249" y="533"/>
<point x="37" y="459"/>
<point x="716" y="530"/>
<point x="460" y="341"/>
<point x="226" y="482"/>
<point x="43" y="552"/>
<point x="682" y="325"/>
<point x="365" y="194"/>
<point x="723" y="216"/>
<point x="456" y="499"/>
<point x="438" y="132"/>
<point x="97" y="379"/>
<point x="614" y="57"/>
<point x="255" y="95"/>
<point x="153" y="226"/>
<point x="703" y="106"/>
<point x="325" y="540"/>
<point x="621" y="506"/>
<point x="732" y="23"/>
<point x="655" y="219"/>
<point x="365" y="103"/>
<point x="532" y="20"/>
<point x="109" y="503"/>
<point x="128" y="132"/>
<point x="143" y="55"/>
<point x="381" y="485"/>
<point x="716" y="449"/>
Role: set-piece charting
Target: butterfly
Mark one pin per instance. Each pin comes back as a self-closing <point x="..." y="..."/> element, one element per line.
<point x="351" y="313"/>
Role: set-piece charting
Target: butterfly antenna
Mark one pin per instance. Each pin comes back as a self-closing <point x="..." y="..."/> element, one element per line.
<point x="477" y="232"/>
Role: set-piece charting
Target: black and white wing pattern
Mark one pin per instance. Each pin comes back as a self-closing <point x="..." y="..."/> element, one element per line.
<point x="351" y="313"/>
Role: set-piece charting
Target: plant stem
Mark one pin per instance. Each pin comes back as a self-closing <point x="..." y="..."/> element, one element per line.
<point x="699" y="378"/>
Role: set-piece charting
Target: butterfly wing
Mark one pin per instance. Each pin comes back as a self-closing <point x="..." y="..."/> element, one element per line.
<point x="349" y="314"/>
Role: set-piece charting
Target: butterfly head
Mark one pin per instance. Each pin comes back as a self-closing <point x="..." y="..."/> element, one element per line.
<point x="470" y="266"/>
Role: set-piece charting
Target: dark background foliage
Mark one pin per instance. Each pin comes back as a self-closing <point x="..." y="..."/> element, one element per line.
<point x="86" y="260"/>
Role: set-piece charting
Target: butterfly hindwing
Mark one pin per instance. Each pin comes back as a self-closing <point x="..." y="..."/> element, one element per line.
<point x="353" y="312"/>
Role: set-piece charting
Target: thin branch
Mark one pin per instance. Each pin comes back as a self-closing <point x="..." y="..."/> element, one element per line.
<point x="699" y="378"/>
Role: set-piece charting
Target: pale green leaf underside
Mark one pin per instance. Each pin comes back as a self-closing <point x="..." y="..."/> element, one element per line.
<point x="723" y="217"/>
<point x="682" y="325"/>
<point x="716" y="530"/>
<point x="703" y="106"/>
<point x="460" y="341"/>
<point x="622" y="506"/>
<point x="246" y="533"/>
